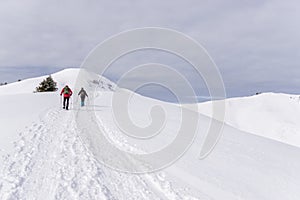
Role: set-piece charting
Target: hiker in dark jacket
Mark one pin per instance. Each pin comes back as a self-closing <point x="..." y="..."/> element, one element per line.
<point x="82" y="93"/>
<point x="67" y="94"/>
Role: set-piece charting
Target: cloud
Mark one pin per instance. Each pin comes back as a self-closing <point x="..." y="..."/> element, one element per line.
<point x="255" y="44"/>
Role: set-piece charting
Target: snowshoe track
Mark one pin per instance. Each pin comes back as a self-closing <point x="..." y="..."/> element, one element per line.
<point x="51" y="162"/>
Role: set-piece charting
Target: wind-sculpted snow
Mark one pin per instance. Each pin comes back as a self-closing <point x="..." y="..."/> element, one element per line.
<point x="271" y="115"/>
<point x="242" y="166"/>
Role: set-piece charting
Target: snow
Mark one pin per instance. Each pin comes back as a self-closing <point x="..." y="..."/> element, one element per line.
<point x="64" y="77"/>
<point x="20" y="106"/>
<point x="272" y="115"/>
<point x="19" y="111"/>
<point x="46" y="156"/>
<point x="242" y="166"/>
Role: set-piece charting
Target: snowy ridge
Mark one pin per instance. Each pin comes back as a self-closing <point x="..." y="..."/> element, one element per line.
<point x="272" y="115"/>
<point x="64" y="77"/>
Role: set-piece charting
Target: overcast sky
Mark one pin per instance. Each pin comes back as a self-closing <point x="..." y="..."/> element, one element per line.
<point x="255" y="43"/>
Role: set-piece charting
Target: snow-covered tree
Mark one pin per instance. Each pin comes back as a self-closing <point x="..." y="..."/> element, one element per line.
<point x="47" y="85"/>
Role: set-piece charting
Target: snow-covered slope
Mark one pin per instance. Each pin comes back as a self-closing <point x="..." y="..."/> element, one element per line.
<point x="271" y="115"/>
<point x="48" y="158"/>
<point x="64" y="77"/>
<point x="20" y="107"/>
<point x="242" y="166"/>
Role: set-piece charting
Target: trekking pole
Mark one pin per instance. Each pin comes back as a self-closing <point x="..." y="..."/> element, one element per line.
<point x="72" y="102"/>
<point x="60" y="100"/>
<point x="88" y="100"/>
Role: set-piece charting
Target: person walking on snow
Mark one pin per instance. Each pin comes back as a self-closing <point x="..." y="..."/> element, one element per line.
<point x="82" y="93"/>
<point x="67" y="94"/>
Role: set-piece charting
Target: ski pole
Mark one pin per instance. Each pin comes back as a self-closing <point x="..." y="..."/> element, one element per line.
<point x="60" y="100"/>
<point x="71" y="102"/>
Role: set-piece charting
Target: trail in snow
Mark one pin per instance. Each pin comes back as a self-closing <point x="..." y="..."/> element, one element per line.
<point x="51" y="162"/>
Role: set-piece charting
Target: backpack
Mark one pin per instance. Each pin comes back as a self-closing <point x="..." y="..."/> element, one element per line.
<point x="82" y="93"/>
<point x="66" y="90"/>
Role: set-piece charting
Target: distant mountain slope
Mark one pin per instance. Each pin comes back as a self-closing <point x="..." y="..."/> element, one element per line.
<point x="270" y="115"/>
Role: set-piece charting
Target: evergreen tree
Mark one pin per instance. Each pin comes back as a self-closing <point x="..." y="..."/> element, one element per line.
<point x="47" y="85"/>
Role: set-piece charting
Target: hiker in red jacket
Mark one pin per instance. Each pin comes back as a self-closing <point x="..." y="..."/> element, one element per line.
<point x="67" y="94"/>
